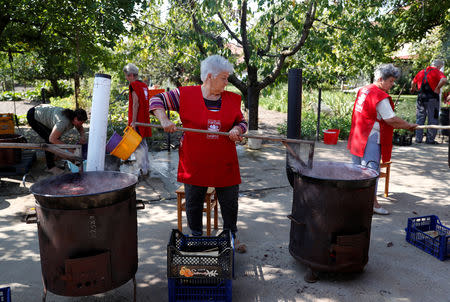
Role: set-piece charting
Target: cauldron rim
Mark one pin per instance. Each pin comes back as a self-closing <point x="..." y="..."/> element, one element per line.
<point x="47" y="180"/>
<point x="363" y="181"/>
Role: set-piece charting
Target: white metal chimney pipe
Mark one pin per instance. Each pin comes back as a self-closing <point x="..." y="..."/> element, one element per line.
<point x="98" y="122"/>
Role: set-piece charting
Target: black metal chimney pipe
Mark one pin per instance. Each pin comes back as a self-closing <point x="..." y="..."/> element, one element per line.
<point x="319" y="104"/>
<point x="294" y="103"/>
<point x="294" y="118"/>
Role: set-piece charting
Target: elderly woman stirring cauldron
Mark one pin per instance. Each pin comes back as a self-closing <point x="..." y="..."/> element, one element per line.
<point x="207" y="160"/>
<point x="373" y="122"/>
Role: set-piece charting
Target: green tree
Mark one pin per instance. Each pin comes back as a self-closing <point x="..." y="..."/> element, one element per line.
<point x="331" y="40"/>
<point x="265" y="38"/>
<point x="413" y="19"/>
<point x="68" y="37"/>
<point x="193" y="30"/>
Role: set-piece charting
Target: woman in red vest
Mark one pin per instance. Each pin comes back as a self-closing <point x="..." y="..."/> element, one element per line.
<point x="207" y="160"/>
<point x="373" y="123"/>
<point x="138" y="107"/>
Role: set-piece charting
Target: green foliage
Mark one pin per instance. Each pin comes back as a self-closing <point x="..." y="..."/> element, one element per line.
<point x="435" y="45"/>
<point x="413" y="20"/>
<point x="64" y="102"/>
<point x="346" y="39"/>
<point x="10" y="96"/>
<point x="341" y="105"/>
<point x="30" y="95"/>
<point x="336" y="110"/>
<point x="406" y="108"/>
<point x="63" y="39"/>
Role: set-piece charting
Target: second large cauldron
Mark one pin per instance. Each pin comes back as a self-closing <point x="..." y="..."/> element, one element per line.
<point x="87" y="228"/>
<point x="331" y="216"/>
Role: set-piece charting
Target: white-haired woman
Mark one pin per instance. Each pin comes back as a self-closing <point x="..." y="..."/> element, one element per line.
<point x="373" y="122"/>
<point x="207" y="160"/>
<point x="138" y="111"/>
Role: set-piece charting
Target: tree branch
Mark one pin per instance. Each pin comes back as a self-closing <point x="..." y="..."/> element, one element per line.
<point x="309" y="20"/>
<point x="269" y="39"/>
<point x="330" y="25"/>
<point x="245" y="44"/>
<point x="233" y="79"/>
<point x="229" y="29"/>
<point x="199" y="30"/>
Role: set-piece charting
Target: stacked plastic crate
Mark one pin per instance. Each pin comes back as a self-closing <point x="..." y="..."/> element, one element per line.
<point x="200" y="268"/>
<point x="430" y="235"/>
<point x="6" y="123"/>
<point x="5" y="294"/>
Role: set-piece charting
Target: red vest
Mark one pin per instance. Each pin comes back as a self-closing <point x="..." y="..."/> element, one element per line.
<point x="434" y="75"/>
<point x="363" y="118"/>
<point x="143" y="115"/>
<point x="208" y="160"/>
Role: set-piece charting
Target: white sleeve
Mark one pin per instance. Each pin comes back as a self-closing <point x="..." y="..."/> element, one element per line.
<point x="384" y="109"/>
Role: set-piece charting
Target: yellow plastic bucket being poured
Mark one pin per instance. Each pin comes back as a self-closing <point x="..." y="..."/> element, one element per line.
<point x="130" y="141"/>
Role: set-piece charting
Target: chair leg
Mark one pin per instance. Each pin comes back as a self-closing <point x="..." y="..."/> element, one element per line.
<point x="216" y="224"/>
<point x="386" y="184"/>
<point x="208" y="215"/>
<point x="180" y="222"/>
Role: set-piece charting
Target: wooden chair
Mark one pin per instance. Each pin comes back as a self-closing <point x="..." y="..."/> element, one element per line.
<point x="385" y="174"/>
<point x="210" y="204"/>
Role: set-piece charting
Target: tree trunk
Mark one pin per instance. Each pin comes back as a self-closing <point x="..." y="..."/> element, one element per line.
<point x="253" y="104"/>
<point x="77" y="89"/>
<point x="55" y="87"/>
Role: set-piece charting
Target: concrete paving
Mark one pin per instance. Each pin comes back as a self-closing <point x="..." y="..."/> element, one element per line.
<point x="397" y="271"/>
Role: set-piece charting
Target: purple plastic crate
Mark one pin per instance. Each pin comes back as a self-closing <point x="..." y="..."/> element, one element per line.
<point x="113" y="141"/>
<point x="428" y="234"/>
<point x="5" y="294"/>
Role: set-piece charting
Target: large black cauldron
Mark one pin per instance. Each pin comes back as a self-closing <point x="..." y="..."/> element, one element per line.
<point x="87" y="229"/>
<point x="331" y="216"/>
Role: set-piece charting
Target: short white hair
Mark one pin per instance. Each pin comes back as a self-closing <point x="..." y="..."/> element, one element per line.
<point x="385" y="71"/>
<point x="437" y="63"/>
<point x="214" y="65"/>
<point x="130" y="68"/>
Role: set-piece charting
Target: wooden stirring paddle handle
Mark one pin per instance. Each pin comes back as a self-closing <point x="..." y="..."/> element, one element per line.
<point x="433" y="127"/>
<point x="271" y="138"/>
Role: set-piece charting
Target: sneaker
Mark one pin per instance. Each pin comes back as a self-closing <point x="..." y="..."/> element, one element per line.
<point x="380" y="211"/>
<point x="432" y="143"/>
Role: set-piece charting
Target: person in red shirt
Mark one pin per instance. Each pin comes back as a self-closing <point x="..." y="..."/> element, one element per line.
<point x="373" y="122"/>
<point x="428" y="82"/>
<point x="138" y="111"/>
<point x="207" y="160"/>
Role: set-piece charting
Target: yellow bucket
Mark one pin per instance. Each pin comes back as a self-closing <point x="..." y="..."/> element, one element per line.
<point x="130" y="141"/>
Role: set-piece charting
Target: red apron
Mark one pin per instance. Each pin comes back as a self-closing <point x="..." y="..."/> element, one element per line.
<point x="143" y="115"/>
<point x="208" y="160"/>
<point x="363" y="118"/>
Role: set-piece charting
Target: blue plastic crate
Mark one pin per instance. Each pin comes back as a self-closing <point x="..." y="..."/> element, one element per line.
<point x="428" y="234"/>
<point x="5" y="294"/>
<point x="199" y="290"/>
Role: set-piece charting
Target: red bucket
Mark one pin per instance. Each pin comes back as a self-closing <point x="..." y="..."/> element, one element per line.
<point x="330" y="136"/>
